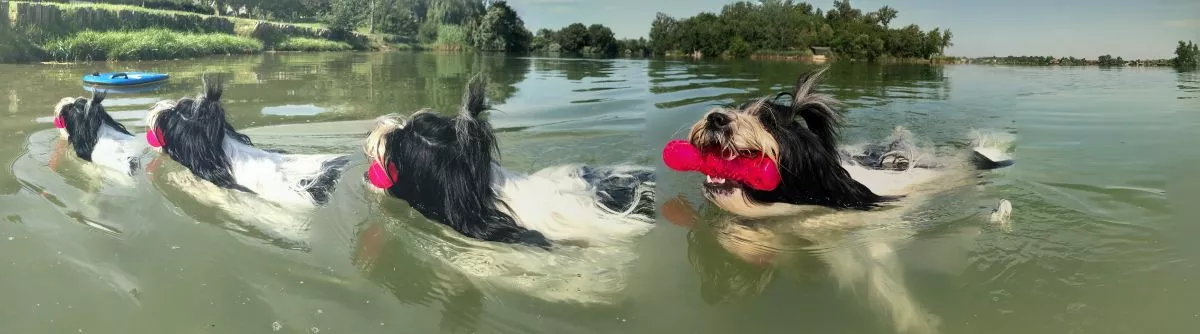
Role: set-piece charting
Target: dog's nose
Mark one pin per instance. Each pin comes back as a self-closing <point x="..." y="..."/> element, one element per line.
<point x="718" y="119"/>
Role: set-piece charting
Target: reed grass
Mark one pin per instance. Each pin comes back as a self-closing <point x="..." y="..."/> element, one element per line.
<point x="149" y="44"/>
<point x="312" y="44"/>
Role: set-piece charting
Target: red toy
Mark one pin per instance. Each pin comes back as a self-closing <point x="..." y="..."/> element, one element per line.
<point x="757" y="172"/>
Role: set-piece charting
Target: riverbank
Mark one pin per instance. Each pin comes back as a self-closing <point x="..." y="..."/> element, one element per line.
<point x="87" y="32"/>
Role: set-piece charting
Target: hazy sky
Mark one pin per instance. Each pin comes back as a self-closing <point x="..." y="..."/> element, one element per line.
<point x="1127" y="28"/>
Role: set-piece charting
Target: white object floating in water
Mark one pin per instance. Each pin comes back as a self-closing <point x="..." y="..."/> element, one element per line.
<point x="1002" y="213"/>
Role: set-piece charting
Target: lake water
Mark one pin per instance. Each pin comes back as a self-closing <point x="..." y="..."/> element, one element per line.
<point x="1102" y="238"/>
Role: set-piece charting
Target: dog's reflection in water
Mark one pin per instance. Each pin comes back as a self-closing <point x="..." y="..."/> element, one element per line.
<point x="737" y="258"/>
<point x="386" y="260"/>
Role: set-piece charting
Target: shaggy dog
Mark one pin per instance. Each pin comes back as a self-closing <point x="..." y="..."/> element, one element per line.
<point x="801" y="139"/>
<point x="195" y="133"/>
<point x="445" y="169"/>
<point x="829" y="195"/>
<point x="95" y="135"/>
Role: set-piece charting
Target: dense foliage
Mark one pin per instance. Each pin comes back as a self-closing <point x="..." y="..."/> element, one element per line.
<point x="147" y="44"/>
<point x="501" y="30"/>
<point x="1108" y="60"/>
<point x="580" y="39"/>
<point x="1187" y="55"/>
<point x="743" y="28"/>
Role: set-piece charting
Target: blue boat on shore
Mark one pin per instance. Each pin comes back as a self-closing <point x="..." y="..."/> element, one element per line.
<point x="124" y="78"/>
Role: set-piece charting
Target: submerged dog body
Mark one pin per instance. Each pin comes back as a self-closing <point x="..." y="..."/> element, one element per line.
<point x="195" y="133"/>
<point x="444" y="168"/>
<point x="95" y="136"/>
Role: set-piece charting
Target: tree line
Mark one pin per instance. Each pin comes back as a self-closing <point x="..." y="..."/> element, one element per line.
<point x="742" y="28"/>
<point x="1187" y="55"/>
<point x="595" y="39"/>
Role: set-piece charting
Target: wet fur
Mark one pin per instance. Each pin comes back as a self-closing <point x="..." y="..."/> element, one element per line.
<point x="801" y="137"/>
<point x="447" y="170"/>
<point x="89" y="126"/>
<point x="198" y="136"/>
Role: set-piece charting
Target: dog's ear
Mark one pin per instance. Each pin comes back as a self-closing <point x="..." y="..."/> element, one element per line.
<point x="213" y="88"/>
<point x="475" y="98"/>
<point x="817" y="109"/>
<point x="98" y="97"/>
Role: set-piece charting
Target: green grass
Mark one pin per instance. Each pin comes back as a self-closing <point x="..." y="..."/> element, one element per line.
<point x="118" y="7"/>
<point x="311" y="44"/>
<point x="15" y="48"/>
<point x="450" y="38"/>
<point x="151" y="44"/>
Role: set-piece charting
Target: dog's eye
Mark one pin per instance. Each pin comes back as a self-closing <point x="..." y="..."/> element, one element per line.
<point x="745" y="152"/>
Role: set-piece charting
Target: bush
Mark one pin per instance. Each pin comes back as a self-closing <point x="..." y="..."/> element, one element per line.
<point x="311" y="44"/>
<point x="147" y="45"/>
<point x="15" y="48"/>
<point x="738" y="48"/>
<point x="450" y="37"/>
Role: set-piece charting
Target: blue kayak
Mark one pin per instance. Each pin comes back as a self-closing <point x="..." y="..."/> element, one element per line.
<point x="123" y="78"/>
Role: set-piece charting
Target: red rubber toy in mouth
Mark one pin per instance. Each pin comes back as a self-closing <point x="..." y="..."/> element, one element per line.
<point x="154" y="137"/>
<point x="757" y="172"/>
<point x="379" y="178"/>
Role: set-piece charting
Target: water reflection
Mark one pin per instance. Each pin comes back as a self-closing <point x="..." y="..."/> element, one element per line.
<point x="235" y="211"/>
<point x="858" y="85"/>
<point x="387" y="260"/>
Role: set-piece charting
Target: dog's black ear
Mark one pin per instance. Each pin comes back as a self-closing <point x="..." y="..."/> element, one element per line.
<point x="213" y="88"/>
<point x="98" y="96"/>
<point x="817" y="109"/>
<point x="475" y="98"/>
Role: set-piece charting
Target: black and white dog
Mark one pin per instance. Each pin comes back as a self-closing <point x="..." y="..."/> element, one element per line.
<point x="802" y="139"/>
<point x="828" y="192"/>
<point x="195" y="133"/>
<point x="445" y="169"/>
<point x="95" y="135"/>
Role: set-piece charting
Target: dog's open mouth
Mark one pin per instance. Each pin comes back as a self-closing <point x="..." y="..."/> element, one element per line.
<point x="720" y="185"/>
<point x="724" y="185"/>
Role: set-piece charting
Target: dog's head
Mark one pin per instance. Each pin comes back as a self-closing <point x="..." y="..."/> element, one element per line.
<point x="443" y="166"/>
<point x="192" y="132"/>
<point x="79" y="120"/>
<point x="800" y="136"/>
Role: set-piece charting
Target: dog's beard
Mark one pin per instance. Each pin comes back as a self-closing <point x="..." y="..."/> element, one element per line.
<point x="731" y="133"/>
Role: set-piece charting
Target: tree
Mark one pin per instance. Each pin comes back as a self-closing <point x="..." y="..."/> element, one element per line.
<point x="739" y="48"/>
<point x="886" y="14"/>
<point x="1108" y="60"/>
<point x="573" y="38"/>
<point x="501" y="29"/>
<point x="946" y="36"/>
<point x="664" y="34"/>
<point x="933" y="43"/>
<point x="601" y="40"/>
<point x="1187" y="55"/>
<point x="345" y="15"/>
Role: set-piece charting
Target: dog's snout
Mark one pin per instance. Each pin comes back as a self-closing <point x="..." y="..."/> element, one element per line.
<point x="718" y="119"/>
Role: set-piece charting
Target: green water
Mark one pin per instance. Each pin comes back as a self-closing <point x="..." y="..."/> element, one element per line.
<point x="1102" y="238"/>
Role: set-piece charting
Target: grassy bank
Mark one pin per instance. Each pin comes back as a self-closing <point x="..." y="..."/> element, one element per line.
<point x="311" y="44"/>
<point x="15" y="48"/>
<point x="146" y="45"/>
